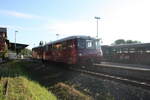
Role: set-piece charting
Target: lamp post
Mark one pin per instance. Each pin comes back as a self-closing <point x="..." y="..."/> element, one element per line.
<point x="97" y="18"/>
<point x="57" y="35"/>
<point x="15" y="41"/>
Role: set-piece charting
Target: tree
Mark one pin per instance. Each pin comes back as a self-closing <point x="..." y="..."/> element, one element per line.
<point x="26" y="52"/>
<point x="131" y="41"/>
<point x="122" y="41"/>
<point x="119" y="41"/>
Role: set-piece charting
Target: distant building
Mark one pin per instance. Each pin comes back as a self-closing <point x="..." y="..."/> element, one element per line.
<point x="3" y="42"/>
<point x="5" y="45"/>
<point x="19" y="47"/>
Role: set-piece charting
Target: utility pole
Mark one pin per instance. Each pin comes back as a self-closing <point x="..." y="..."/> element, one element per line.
<point x="97" y="18"/>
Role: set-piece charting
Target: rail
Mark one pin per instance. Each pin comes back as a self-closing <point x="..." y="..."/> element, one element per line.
<point x="142" y="84"/>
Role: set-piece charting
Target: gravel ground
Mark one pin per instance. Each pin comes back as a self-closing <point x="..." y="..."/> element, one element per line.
<point x="100" y="89"/>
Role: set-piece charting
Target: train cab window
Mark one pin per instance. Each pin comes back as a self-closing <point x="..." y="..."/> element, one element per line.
<point x="81" y="44"/>
<point x="97" y="44"/>
<point x="90" y="44"/>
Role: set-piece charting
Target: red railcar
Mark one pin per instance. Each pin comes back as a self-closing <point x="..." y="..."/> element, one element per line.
<point x="73" y="50"/>
<point x="37" y="52"/>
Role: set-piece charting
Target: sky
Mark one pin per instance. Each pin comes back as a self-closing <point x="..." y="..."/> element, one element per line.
<point x="41" y="20"/>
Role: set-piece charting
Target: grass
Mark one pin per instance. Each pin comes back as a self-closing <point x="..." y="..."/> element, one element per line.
<point x="67" y="92"/>
<point x="15" y="84"/>
<point x="19" y="88"/>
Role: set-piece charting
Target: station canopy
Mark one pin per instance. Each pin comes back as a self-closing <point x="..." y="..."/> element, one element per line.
<point x="19" y="46"/>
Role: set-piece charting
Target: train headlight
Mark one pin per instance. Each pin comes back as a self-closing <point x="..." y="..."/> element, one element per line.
<point x="80" y="54"/>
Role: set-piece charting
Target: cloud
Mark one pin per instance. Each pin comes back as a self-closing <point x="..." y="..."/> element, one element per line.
<point x="78" y="27"/>
<point x="12" y="27"/>
<point x="18" y="14"/>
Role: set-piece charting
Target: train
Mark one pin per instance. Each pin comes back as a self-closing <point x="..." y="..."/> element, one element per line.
<point x="3" y="44"/>
<point x="136" y="53"/>
<point x="81" y="50"/>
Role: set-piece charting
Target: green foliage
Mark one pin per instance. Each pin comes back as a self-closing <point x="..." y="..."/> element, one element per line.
<point x="1" y="92"/>
<point x="122" y="41"/>
<point x="26" y="52"/>
<point x="19" y="87"/>
<point x="131" y="41"/>
<point x="4" y="54"/>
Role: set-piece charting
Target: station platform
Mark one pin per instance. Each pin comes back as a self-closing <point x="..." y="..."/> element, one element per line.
<point x="125" y="66"/>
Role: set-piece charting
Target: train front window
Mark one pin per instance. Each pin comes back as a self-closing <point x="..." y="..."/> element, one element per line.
<point x="88" y="44"/>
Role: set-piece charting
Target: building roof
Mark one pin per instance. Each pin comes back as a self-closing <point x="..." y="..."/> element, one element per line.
<point x="18" y="46"/>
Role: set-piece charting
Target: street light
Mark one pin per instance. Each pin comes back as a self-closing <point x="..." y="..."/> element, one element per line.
<point x="57" y="35"/>
<point x="97" y="18"/>
<point x="15" y="41"/>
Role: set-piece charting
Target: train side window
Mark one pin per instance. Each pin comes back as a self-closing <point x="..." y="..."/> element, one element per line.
<point x="114" y="51"/>
<point x="64" y="45"/>
<point x="3" y="35"/>
<point x="50" y="47"/>
<point x="132" y="50"/>
<point x="46" y="47"/>
<point x="58" y="46"/>
<point x="69" y="44"/>
<point x="54" y="46"/>
<point x="125" y="50"/>
<point x="147" y="51"/>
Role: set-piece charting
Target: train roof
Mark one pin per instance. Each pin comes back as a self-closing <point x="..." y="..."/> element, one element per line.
<point x="38" y="47"/>
<point x="70" y="38"/>
<point x="135" y="45"/>
<point x="67" y="38"/>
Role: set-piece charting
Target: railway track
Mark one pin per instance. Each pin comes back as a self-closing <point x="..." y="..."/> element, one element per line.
<point x="137" y="83"/>
<point x="97" y="73"/>
<point x="128" y="72"/>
